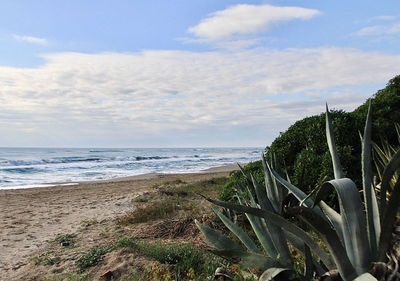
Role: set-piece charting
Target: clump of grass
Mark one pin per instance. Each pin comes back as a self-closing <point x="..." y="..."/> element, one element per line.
<point x="169" y="183"/>
<point x="161" y="209"/>
<point x="184" y="257"/>
<point x="46" y="259"/>
<point x="204" y="186"/>
<point x="65" y="237"/>
<point x="92" y="258"/>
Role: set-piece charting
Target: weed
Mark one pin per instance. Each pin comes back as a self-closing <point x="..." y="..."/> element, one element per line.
<point x="161" y="209"/>
<point x="92" y="258"/>
<point x="185" y="258"/>
<point x="47" y="259"/>
<point x="88" y="222"/>
<point x="65" y="237"/>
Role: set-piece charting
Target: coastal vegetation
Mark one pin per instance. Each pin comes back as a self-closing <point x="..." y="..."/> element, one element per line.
<point x="354" y="243"/>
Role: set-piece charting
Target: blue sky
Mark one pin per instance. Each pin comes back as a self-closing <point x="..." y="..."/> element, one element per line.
<point x="185" y="73"/>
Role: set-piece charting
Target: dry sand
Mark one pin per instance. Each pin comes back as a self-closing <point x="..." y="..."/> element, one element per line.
<point x="31" y="217"/>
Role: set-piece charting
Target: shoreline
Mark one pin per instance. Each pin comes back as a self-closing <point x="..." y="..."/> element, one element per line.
<point x="31" y="217"/>
<point x="224" y="168"/>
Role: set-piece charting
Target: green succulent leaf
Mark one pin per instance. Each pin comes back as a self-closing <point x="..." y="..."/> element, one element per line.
<point x="247" y="259"/>
<point x="271" y="187"/>
<point x="275" y="233"/>
<point x="389" y="217"/>
<point x="353" y="221"/>
<point x="371" y="204"/>
<point x="337" y="167"/>
<point x="246" y="240"/>
<point x="388" y="173"/>
<point x="284" y="224"/>
<point x="217" y="240"/>
<point x="262" y="197"/>
<point x="271" y="273"/>
<point x="330" y="237"/>
<point x="262" y="232"/>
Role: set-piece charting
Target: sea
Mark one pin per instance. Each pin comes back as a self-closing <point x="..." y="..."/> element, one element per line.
<point x="41" y="167"/>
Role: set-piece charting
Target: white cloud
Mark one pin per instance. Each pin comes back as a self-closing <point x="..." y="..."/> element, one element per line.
<point x="30" y="39"/>
<point x="161" y="98"/>
<point x="379" y="30"/>
<point x="385" y="18"/>
<point x="247" y="19"/>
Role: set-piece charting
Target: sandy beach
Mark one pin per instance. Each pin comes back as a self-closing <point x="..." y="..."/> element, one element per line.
<point x="31" y="217"/>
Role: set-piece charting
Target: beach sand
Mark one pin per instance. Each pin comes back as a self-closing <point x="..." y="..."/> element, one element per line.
<point x="29" y="218"/>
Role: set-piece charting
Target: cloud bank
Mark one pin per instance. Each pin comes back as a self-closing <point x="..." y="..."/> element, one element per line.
<point x="247" y="19"/>
<point x="167" y="98"/>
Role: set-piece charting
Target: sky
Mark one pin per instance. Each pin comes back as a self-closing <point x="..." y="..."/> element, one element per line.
<point x="178" y="73"/>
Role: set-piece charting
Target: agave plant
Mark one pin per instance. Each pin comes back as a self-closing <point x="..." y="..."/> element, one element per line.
<point x="357" y="237"/>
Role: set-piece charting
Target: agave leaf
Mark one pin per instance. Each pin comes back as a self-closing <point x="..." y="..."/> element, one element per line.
<point x="330" y="237"/>
<point x="353" y="221"/>
<point x="279" y="239"/>
<point x="388" y="173"/>
<point x="365" y="277"/>
<point x="271" y="188"/>
<point x="275" y="232"/>
<point x="300" y="246"/>
<point x="247" y="176"/>
<point x="286" y="225"/>
<point x="261" y="232"/>
<point x="371" y="205"/>
<point x="337" y="167"/>
<point x="271" y="273"/>
<point x="309" y="267"/>
<point x="388" y="222"/>
<point x="300" y="195"/>
<point x="217" y="240"/>
<point x="248" y="259"/>
<point x="277" y="167"/>
<point x="334" y="218"/>
<point x="262" y="197"/>
<point x="246" y="240"/>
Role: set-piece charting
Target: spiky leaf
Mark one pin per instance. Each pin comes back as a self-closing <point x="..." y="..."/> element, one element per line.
<point x="286" y="225"/>
<point x="371" y="205"/>
<point x="217" y="240"/>
<point x="353" y="221"/>
<point x="246" y="240"/>
<point x="337" y="167"/>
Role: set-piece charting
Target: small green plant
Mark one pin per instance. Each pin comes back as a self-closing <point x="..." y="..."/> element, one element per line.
<point x="65" y="237"/>
<point x="92" y="258"/>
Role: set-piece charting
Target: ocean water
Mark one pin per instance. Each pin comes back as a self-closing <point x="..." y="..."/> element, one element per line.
<point x="32" y="167"/>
